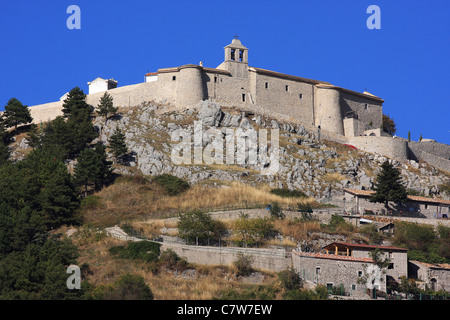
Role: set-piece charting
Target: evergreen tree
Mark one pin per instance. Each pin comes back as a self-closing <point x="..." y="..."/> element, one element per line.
<point x="117" y="144"/>
<point x="16" y="113"/>
<point x="389" y="186"/>
<point x="106" y="106"/>
<point x="74" y="103"/>
<point x="93" y="168"/>
<point x="4" y="154"/>
<point x="389" y="125"/>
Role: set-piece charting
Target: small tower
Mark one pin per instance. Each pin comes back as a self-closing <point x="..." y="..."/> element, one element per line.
<point x="236" y="59"/>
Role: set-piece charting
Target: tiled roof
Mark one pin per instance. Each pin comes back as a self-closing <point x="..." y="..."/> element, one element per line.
<point x="368" y="193"/>
<point x="151" y="74"/>
<point x="332" y="257"/>
<point x="434" y="265"/>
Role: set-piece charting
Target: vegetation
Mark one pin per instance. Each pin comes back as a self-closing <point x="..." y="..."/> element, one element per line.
<point x="288" y="193"/>
<point x="389" y="125"/>
<point x="16" y="113"/>
<point x="199" y="228"/>
<point x="252" y="232"/>
<point x="172" y="184"/>
<point x="128" y="287"/>
<point x="143" y="250"/>
<point x="243" y="264"/>
<point x="389" y="186"/>
<point x="106" y="106"/>
<point x="117" y="144"/>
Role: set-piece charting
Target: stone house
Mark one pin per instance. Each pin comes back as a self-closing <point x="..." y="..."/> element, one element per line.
<point x="434" y="276"/>
<point x="351" y="266"/>
<point x="357" y="202"/>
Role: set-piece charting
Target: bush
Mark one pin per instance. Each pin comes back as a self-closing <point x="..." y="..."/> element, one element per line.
<point x="144" y="250"/>
<point x="199" y="226"/>
<point x="243" y="264"/>
<point x="319" y="293"/>
<point x="290" y="279"/>
<point x="338" y="224"/>
<point x="275" y="211"/>
<point x="287" y="193"/>
<point x="173" y="185"/>
<point x="170" y="260"/>
<point x="128" y="287"/>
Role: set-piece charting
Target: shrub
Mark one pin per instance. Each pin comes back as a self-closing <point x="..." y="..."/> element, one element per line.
<point x="170" y="260"/>
<point x="290" y="279"/>
<point x="275" y="211"/>
<point x="128" y="287"/>
<point x="288" y="193"/>
<point x="144" y="250"/>
<point x="199" y="226"/>
<point x="173" y="185"/>
<point x="243" y="264"/>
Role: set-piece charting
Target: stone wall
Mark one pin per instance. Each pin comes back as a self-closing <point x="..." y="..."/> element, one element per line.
<point x="263" y="259"/>
<point x="387" y="146"/>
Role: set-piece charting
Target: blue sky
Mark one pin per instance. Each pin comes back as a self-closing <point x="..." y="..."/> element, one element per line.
<point x="406" y="62"/>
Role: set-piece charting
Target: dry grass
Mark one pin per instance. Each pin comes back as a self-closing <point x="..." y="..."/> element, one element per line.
<point x="333" y="177"/>
<point x="295" y="229"/>
<point x="128" y="199"/>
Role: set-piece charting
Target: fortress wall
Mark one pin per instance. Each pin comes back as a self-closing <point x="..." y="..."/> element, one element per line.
<point x="435" y="148"/>
<point x="190" y="86"/>
<point x="372" y="113"/>
<point x="328" y="110"/>
<point x="276" y="98"/>
<point x="228" y="91"/>
<point x="435" y="161"/>
<point x="387" y="146"/>
<point x="45" y="112"/>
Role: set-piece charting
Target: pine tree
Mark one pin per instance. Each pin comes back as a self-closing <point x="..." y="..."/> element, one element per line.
<point x="74" y="103"/>
<point x="93" y="168"/>
<point x="389" y="125"/>
<point x="16" y="113"/>
<point x="117" y="144"/>
<point x="389" y="186"/>
<point x="106" y="106"/>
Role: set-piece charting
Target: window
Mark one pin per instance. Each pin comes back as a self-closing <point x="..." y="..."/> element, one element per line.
<point x="174" y="78"/>
<point x="267" y="85"/>
<point x="353" y="287"/>
<point x="287" y="88"/>
<point x="360" y="273"/>
<point x="366" y="106"/>
<point x="241" y="55"/>
<point x="317" y="270"/>
<point x="301" y="95"/>
<point x="215" y="79"/>
<point x="232" y="54"/>
<point x="243" y="97"/>
<point x="391" y="266"/>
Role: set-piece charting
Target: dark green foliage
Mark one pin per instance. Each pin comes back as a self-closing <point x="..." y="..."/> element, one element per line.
<point x="106" y="106"/>
<point x="290" y="279"/>
<point x="93" y="168"/>
<point x="287" y="193"/>
<point x="143" y="250"/>
<point x="4" y="154"/>
<point x="389" y="186"/>
<point x="389" y="125"/>
<point x="371" y="231"/>
<point x="117" y="144"/>
<point x="304" y="207"/>
<point x="170" y="260"/>
<point x="319" y="293"/>
<point x="128" y="287"/>
<point x="243" y="264"/>
<point x="257" y="292"/>
<point x="172" y="184"/>
<point x="423" y="243"/>
<point x="75" y="105"/>
<point x="275" y="211"/>
<point x="199" y="227"/>
<point x="252" y="232"/>
<point x="337" y="223"/>
<point x="16" y="113"/>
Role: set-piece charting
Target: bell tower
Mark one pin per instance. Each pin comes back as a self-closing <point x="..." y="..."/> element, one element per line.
<point x="236" y="59"/>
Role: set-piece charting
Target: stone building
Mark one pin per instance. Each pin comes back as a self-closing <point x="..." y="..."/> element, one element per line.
<point x="357" y="202"/>
<point x="434" y="276"/>
<point x="349" y="265"/>
<point x="342" y="115"/>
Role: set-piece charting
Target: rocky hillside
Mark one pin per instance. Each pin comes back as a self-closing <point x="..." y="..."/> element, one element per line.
<point x="318" y="168"/>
